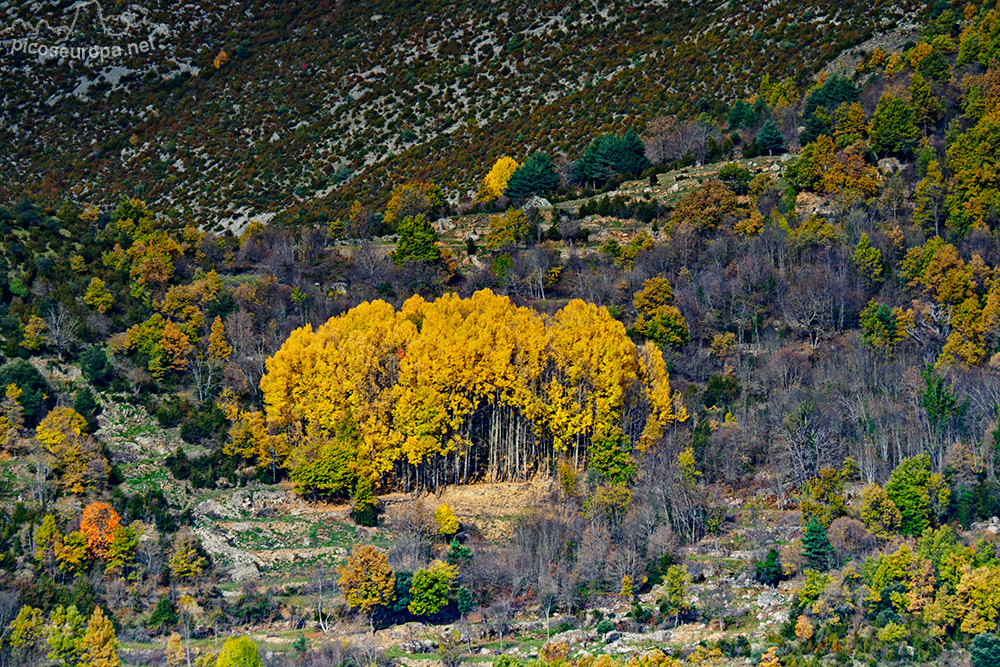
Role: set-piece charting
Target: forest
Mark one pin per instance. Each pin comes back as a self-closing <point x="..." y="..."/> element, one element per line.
<point x="734" y="370"/>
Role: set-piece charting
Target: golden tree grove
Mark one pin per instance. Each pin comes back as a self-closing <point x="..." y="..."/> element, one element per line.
<point x="455" y="390"/>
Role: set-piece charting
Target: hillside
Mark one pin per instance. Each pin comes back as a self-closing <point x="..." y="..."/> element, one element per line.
<point x="373" y="335"/>
<point x="331" y="102"/>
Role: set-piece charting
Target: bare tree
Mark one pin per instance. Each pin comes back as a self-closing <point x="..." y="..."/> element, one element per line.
<point x="205" y="373"/>
<point x="60" y="325"/>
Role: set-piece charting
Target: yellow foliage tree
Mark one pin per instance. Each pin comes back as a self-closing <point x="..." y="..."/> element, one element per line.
<point x="366" y="580"/>
<point x="34" y="333"/>
<point x="98" y="295"/>
<point x="218" y="348"/>
<point x="175" y="345"/>
<point x="879" y="514"/>
<point x="11" y="415"/>
<point x="100" y="642"/>
<point x="446" y="520"/>
<point x="978" y="598"/>
<point x="79" y="460"/>
<point x="71" y="553"/>
<point x="803" y="628"/>
<point x="495" y="182"/>
<point x="27" y="630"/>
<point x="186" y="559"/>
<point x="770" y="659"/>
<point x="375" y="388"/>
<point x="58" y="426"/>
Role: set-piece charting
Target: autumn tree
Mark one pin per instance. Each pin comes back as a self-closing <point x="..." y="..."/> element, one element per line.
<point x="239" y="652"/>
<point x="707" y="208"/>
<point x="927" y="108"/>
<point x="867" y="261"/>
<point x="412" y="200"/>
<point x="414" y="403"/>
<point x="510" y="229"/>
<point x="674" y="598"/>
<point x="99" y="523"/>
<point x="100" y="642"/>
<point x="98" y="296"/>
<point x="495" y="182"/>
<point x="657" y="319"/>
<point x="850" y="124"/>
<point x="27" y="632"/>
<point x="446" y="520"/>
<point x="187" y="559"/>
<point x="978" y="598"/>
<point x="71" y="553"/>
<point x="34" y="334"/>
<point x="879" y="514"/>
<point x="973" y="193"/>
<point x="823" y="497"/>
<point x="430" y="589"/>
<point x="79" y="460"/>
<point x="171" y="355"/>
<point x="11" y="415"/>
<point x="882" y="327"/>
<point x="366" y="580"/>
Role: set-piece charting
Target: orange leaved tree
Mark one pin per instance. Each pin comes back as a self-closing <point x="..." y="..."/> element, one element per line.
<point x="98" y="524"/>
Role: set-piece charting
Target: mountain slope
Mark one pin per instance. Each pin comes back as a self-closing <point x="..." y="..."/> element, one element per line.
<point x="307" y="96"/>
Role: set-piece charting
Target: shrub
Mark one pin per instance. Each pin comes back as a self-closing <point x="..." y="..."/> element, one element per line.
<point x="35" y="391"/>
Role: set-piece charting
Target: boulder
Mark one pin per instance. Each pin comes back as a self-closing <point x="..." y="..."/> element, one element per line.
<point x="537" y="202"/>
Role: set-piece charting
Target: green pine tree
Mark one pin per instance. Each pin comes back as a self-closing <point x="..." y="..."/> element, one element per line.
<point x="770" y="138"/>
<point x="769" y="571"/>
<point x="537" y="176"/>
<point x="816" y="546"/>
<point x="985" y="650"/>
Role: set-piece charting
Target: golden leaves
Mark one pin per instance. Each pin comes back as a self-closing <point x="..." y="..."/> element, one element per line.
<point x="406" y="385"/>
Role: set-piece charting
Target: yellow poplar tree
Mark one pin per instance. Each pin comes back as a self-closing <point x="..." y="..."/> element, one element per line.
<point x="495" y="182"/>
<point x="446" y="520"/>
<point x="34" y="333"/>
<point x="11" y="415"/>
<point x="366" y="580"/>
<point x="218" y="348"/>
<point x="98" y="295"/>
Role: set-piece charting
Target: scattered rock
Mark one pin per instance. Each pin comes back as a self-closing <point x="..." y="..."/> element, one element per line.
<point x="537" y="202"/>
<point x="416" y="646"/>
<point x="889" y="165"/>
